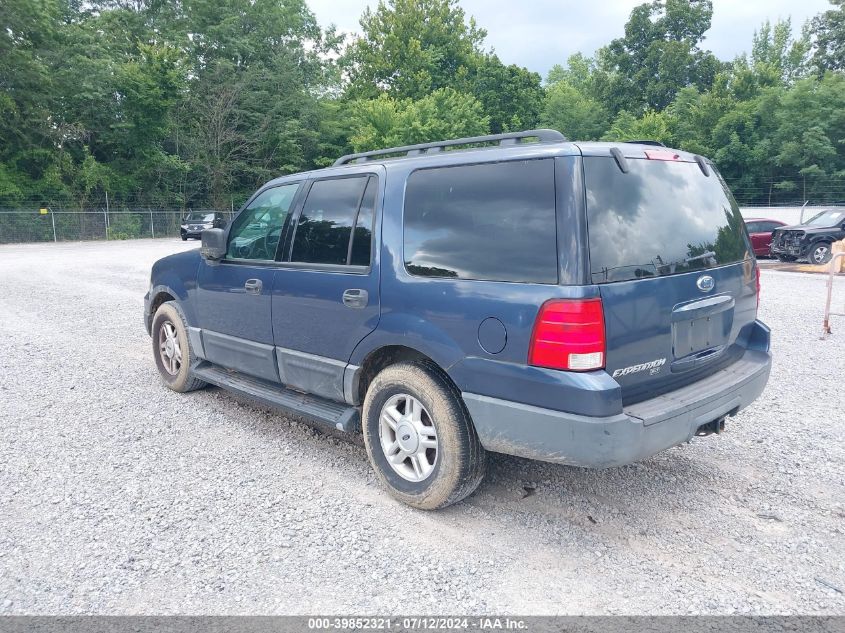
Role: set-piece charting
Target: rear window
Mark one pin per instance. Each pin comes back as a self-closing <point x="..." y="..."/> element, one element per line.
<point x="494" y="221"/>
<point x="661" y="218"/>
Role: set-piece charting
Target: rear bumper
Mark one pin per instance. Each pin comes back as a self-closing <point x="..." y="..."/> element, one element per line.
<point x="640" y="431"/>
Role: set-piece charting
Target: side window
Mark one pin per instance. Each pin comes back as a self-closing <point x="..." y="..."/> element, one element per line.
<point x="257" y="230"/>
<point x="324" y="231"/>
<point x="753" y="227"/>
<point x="493" y="221"/>
<point x="768" y="227"/>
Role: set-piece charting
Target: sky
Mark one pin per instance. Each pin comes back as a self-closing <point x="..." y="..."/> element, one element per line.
<point x="538" y="34"/>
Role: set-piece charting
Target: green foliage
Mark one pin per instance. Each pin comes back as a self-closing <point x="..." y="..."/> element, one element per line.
<point x="654" y="126"/>
<point x="571" y="105"/>
<point x="511" y="96"/>
<point x="410" y="48"/>
<point x="388" y="122"/>
<point x="197" y="102"/>
<point x="573" y="112"/>
<point x="658" y="56"/>
<point x="828" y="33"/>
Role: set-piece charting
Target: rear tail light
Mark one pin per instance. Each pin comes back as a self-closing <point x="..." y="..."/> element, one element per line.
<point x="569" y="334"/>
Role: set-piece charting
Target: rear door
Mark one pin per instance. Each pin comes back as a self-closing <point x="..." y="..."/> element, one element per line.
<point x="326" y="296"/>
<point x="674" y="266"/>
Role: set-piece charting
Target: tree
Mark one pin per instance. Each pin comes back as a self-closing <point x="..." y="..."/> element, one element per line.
<point x="828" y="36"/>
<point x="574" y="113"/>
<point x="27" y="141"/>
<point x="410" y="48"/>
<point x="570" y="106"/>
<point x="388" y="122"/>
<point x="651" y="126"/>
<point x="658" y="56"/>
<point x="510" y="95"/>
<point x="777" y="59"/>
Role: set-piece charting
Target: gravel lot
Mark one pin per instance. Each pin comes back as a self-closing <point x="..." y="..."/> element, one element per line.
<point x="118" y="496"/>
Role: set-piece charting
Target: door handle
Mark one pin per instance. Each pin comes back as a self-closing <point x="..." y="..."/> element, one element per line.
<point x="253" y="286"/>
<point x="355" y="298"/>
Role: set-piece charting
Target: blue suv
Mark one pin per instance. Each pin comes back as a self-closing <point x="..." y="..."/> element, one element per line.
<point x="580" y="303"/>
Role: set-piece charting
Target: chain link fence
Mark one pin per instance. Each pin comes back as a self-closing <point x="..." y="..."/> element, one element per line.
<point x="44" y="224"/>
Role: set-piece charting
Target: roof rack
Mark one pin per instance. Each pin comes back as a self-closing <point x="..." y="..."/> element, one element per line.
<point x="511" y="138"/>
<point x="645" y="142"/>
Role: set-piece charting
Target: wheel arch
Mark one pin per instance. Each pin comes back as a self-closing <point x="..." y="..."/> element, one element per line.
<point x="399" y="337"/>
<point x="383" y="357"/>
<point x="161" y="295"/>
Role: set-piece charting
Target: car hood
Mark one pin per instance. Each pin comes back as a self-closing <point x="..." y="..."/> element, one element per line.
<point x="806" y="228"/>
<point x="184" y="264"/>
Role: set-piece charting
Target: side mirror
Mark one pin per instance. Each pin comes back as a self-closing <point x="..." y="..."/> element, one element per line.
<point x="213" y="244"/>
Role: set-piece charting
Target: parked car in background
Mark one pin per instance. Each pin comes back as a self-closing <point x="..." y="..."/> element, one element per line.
<point x="811" y="240"/>
<point x="579" y="303"/>
<point x="760" y="231"/>
<point x="197" y="221"/>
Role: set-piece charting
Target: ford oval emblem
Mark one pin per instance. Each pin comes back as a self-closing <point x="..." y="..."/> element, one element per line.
<point x="705" y="283"/>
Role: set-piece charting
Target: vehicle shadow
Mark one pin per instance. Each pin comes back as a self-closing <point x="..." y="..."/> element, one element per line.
<point x="678" y="473"/>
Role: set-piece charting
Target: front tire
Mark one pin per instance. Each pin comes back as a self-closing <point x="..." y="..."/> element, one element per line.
<point x="172" y="349"/>
<point x="819" y="254"/>
<point x="420" y="438"/>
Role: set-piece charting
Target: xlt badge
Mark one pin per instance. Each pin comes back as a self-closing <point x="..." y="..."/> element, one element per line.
<point x="654" y="367"/>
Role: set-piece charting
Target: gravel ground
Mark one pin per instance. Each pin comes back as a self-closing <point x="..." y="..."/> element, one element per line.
<point x="118" y="496"/>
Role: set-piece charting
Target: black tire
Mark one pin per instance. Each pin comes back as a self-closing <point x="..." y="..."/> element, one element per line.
<point x="819" y="254"/>
<point x="184" y="238"/>
<point x="785" y="258"/>
<point x="182" y="379"/>
<point x="460" y="461"/>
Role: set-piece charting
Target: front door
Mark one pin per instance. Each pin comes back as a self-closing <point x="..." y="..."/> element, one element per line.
<point x="234" y="296"/>
<point x="326" y="296"/>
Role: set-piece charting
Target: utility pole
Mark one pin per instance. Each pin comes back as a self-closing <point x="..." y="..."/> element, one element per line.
<point x="106" y="215"/>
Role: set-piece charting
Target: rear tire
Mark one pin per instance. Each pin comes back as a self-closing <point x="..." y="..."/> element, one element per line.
<point x="172" y="349"/>
<point x="420" y="438"/>
<point x="819" y="254"/>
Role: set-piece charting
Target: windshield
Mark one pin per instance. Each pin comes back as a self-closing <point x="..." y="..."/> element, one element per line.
<point x="827" y="218"/>
<point x="661" y="218"/>
<point x="200" y="217"/>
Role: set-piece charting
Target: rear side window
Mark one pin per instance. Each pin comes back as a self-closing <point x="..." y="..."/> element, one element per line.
<point x="661" y="218"/>
<point x="324" y="231"/>
<point x="493" y="222"/>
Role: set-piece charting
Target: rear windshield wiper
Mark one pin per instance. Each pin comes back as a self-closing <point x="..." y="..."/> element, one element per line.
<point x="687" y="260"/>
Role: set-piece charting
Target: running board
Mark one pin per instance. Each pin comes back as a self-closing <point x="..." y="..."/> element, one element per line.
<point x="324" y="412"/>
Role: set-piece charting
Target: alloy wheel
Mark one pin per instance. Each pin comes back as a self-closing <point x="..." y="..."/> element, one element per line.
<point x="169" y="349"/>
<point x="408" y="437"/>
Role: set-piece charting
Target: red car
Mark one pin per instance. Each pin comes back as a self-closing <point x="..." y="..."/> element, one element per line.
<point x="760" y="232"/>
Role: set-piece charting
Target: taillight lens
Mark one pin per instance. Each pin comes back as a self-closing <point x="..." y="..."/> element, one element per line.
<point x="569" y="334"/>
<point x="757" y="270"/>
